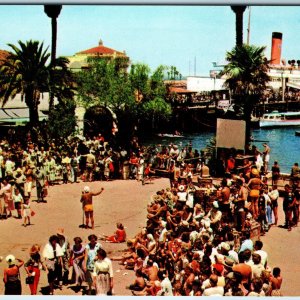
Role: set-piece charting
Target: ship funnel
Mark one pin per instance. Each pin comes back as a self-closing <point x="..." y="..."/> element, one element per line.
<point x="276" y="48"/>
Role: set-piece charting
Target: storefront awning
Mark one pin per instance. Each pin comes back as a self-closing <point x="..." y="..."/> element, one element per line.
<point x="17" y="116"/>
<point x="293" y="85"/>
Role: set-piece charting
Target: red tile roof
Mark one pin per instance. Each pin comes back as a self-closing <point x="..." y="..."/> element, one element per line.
<point x="179" y="90"/>
<point x="101" y="50"/>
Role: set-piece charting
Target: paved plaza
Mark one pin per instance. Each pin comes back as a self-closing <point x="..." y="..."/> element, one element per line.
<point x="122" y="201"/>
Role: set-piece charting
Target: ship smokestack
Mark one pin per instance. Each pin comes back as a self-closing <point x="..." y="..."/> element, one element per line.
<point x="276" y="48"/>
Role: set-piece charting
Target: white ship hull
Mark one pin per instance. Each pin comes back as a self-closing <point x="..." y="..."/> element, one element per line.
<point x="278" y="123"/>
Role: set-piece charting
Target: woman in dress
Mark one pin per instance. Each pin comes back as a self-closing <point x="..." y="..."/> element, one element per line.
<point x="91" y="250"/>
<point x="11" y="277"/>
<point x="77" y="258"/>
<point x="26" y="211"/>
<point x="29" y="181"/>
<point x="18" y="200"/>
<point x="32" y="267"/>
<point x="103" y="274"/>
<point x="7" y="194"/>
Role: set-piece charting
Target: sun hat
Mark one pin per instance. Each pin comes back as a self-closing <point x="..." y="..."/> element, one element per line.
<point x="181" y="188"/>
<point x="10" y="259"/>
<point x="86" y="189"/>
<point x="254" y="172"/>
<point x="249" y="216"/>
<point x="198" y="205"/>
<point x="60" y="231"/>
<point x="229" y="262"/>
<point x="215" y="204"/>
<point x="225" y="246"/>
<point x="219" y="267"/>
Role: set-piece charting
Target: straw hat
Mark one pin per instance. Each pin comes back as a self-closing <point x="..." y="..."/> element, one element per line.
<point x="229" y="262"/>
<point x="60" y="231"/>
<point x="254" y="172"/>
<point x="10" y="259"/>
<point x="155" y="197"/>
<point x="225" y="246"/>
<point x="215" y="204"/>
<point x="198" y="205"/>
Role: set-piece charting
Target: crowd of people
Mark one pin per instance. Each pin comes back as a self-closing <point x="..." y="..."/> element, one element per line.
<point x="89" y="264"/>
<point x="202" y="242"/>
<point x="199" y="238"/>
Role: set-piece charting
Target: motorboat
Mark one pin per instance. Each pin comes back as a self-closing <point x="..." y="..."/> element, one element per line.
<point x="170" y="135"/>
<point x="280" y="119"/>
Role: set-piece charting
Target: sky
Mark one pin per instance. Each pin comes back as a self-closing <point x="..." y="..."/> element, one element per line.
<point x="188" y="37"/>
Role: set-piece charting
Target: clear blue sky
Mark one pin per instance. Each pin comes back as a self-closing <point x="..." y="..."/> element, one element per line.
<point x="168" y="35"/>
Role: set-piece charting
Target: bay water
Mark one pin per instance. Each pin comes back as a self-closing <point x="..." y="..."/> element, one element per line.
<point x="285" y="146"/>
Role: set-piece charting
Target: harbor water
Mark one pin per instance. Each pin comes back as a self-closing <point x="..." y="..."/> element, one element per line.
<point x="285" y="146"/>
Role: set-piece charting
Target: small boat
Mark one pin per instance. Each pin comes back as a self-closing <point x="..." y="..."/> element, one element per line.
<point x="297" y="133"/>
<point x="280" y="119"/>
<point x="170" y="135"/>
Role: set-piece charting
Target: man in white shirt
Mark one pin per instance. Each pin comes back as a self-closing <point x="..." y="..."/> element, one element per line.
<point x="166" y="285"/>
<point x="274" y="195"/>
<point x="263" y="254"/>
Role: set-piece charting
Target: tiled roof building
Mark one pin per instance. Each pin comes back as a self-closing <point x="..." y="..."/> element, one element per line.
<point x="80" y="59"/>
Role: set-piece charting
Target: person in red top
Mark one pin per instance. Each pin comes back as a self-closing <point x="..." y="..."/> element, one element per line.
<point x="11" y="277"/>
<point x="133" y="162"/>
<point x="230" y="164"/>
<point x="119" y="236"/>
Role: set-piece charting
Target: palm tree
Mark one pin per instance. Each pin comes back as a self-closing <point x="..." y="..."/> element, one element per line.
<point x="25" y="72"/>
<point x="53" y="11"/>
<point x="247" y="78"/>
<point x="239" y="12"/>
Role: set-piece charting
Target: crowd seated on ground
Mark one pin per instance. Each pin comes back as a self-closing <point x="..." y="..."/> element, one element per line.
<point x="200" y="242"/>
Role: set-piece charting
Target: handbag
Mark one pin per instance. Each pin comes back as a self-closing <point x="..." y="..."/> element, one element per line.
<point x="29" y="279"/>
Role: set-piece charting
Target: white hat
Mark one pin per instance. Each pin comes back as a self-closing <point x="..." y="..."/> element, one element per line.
<point x="10" y="259"/>
<point x="86" y="189"/>
<point x="225" y="246"/>
<point x="163" y="223"/>
<point x="215" y="204"/>
<point x="181" y="188"/>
